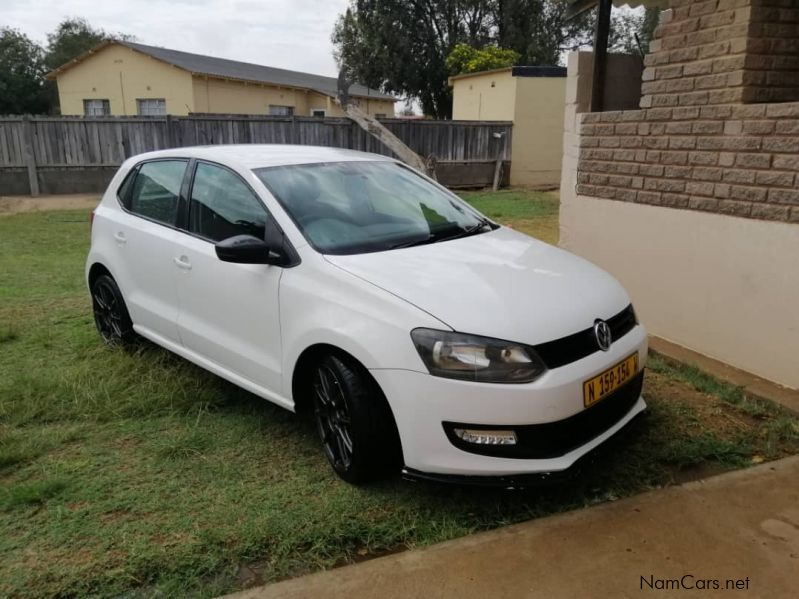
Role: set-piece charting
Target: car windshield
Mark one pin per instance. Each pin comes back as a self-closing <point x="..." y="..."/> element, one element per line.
<point x="359" y="207"/>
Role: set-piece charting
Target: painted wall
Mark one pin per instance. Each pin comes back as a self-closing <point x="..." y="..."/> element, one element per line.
<point x="487" y="97"/>
<point x="234" y="97"/>
<point x="534" y="104"/>
<point x="538" y="131"/>
<point x="121" y="75"/>
<point x="721" y="285"/>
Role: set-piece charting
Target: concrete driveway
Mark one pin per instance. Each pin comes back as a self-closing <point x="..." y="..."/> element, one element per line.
<point x="735" y="535"/>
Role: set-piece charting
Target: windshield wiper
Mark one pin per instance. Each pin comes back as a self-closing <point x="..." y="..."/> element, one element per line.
<point x="473" y="230"/>
<point x="433" y="237"/>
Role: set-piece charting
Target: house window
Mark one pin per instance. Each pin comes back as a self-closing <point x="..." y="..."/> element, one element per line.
<point x="320" y="112"/>
<point x="275" y="110"/>
<point x="380" y="115"/>
<point x="96" y="108"/>
<point x="151" y="106"/>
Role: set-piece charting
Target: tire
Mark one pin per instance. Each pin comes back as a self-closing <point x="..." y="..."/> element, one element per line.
<point x="358" y="433"/>
<point x="110" y="313"/>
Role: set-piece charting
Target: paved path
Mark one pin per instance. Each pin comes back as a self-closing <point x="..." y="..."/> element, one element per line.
<point x="742" y="526"/>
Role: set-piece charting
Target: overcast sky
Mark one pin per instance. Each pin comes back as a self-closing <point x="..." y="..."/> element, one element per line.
<point x="291" y="34"/>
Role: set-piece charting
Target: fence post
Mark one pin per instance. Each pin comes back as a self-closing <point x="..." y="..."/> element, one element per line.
<point x="30" y="155"/>
<point x="170" y="132"/>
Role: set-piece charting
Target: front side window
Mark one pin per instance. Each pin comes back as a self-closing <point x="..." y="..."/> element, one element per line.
<point x="156" y="190"/>
<point x="151" y="106"/>
<point x="275" y="110"/>
<point x="357" y="207"/>
<point x="318" y="112"/>
<point x="222" y="205"/>
<point x="96" y="108"/>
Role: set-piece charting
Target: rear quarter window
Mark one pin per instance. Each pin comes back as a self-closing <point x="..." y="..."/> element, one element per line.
<point x="155" y="190"/>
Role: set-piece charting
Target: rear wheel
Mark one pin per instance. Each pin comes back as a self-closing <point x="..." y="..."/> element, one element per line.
<point x="355" y="424"/>
<point x="110" y="313"/>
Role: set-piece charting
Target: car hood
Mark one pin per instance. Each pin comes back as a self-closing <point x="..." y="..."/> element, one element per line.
<point x="499" y="284"/>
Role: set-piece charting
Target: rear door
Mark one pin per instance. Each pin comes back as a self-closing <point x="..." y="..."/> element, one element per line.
<point x="145" y="237"/>
<point x="229" y="313"/>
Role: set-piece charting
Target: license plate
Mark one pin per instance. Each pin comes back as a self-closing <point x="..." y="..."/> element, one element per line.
<point x="602" y="385"/>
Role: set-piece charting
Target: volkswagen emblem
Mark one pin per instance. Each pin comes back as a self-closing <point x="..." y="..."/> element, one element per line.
<point x="603" y="336"/>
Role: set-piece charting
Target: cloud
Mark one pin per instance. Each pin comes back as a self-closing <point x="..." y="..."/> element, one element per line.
<point x="290" y="34"/>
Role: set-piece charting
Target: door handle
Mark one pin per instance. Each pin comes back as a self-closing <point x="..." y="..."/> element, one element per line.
<point x="182" y="262"/>
<point x="120" y="237"/>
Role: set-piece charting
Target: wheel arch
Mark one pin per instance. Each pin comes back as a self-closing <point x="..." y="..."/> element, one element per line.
<point x="97" y="270"/>
<point x="300" y="379"/>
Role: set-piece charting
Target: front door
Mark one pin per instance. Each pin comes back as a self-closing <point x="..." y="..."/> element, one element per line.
<point x="229" y="313"/>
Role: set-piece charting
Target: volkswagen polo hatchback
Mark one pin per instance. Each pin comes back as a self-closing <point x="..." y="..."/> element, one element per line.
<point x="420" y="334"/>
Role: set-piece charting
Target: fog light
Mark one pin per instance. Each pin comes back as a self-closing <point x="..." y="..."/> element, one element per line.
<point x="486" y="437"/>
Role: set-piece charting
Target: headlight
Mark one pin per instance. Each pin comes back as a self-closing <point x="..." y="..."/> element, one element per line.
<point x="473" y="358"/>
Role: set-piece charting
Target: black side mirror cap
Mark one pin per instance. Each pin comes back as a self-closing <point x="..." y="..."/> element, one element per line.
<point x="246" y="249"/>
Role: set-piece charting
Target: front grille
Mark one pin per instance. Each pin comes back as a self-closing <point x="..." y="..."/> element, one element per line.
<point x="554" y="439"/>
<point x="575" y="347"/>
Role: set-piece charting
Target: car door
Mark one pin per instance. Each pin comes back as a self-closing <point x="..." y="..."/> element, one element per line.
<point x="145" y="238"/>
<point x="229" y="313"/>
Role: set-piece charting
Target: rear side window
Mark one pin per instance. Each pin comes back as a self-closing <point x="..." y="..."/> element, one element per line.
<point x="156" y="190"/>
<point x="222" y="205"/>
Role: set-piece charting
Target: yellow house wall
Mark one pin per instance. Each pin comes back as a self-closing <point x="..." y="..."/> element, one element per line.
<point x="474" y="98"/>
<point x="537" y="148"/>
<point x="121" y="75"/>
<point x="236" y="97"/>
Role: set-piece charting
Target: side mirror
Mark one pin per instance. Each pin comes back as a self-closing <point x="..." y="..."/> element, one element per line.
<point x="246" y="249"/>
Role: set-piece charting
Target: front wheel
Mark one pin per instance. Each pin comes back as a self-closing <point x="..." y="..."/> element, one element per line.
<point x="355" y="424"/>
<point x="110" y="313"/>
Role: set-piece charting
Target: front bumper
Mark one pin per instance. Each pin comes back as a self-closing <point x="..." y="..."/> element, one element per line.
<point x="422" y="403"/>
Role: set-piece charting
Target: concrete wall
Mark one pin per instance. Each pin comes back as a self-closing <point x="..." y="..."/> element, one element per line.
<point x="121" y="75"/>
<point x="716" y="278"/>
<point x="534" y="104"/>
<point x="487" y="96"/>
<point x="538" y="131"/>
<point x="723" y="286"/>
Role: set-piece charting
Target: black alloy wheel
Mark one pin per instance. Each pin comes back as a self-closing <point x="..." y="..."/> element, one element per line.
<point x="333" y="419"/>
<point x="356" y="426"/>
<point x="110" y="313"/>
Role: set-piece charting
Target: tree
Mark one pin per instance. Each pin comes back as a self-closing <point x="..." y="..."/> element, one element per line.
<point x="70" y="39"/>
<point x="465" y="59"/>
<point x="21" y="74"/>
<point x="401" y="46"/>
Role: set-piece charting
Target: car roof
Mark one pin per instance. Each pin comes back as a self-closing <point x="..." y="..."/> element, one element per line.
<point x="265" y="155"/>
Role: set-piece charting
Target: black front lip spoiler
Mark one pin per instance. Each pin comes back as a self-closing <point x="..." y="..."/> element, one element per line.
<point x="514" y="481"/>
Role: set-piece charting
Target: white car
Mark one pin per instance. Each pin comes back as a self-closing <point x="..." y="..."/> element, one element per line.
<point x="421" y="335"/>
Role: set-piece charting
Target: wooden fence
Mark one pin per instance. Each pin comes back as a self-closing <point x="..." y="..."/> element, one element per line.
<point x="57" y="154"/>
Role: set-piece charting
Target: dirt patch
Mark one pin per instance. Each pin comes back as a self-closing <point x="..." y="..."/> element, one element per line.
<point x="18" y="204"/>
<point x="708" y="412"/>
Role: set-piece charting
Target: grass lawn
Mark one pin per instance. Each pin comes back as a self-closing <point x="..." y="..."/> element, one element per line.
<point x="531" y="212"/>
<point x="139" y="473"/>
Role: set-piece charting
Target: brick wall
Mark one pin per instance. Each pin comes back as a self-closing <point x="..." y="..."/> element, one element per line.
<point x="723" y="52"/>
<point x="700" y="142"/>
<point x="740" y="160"/>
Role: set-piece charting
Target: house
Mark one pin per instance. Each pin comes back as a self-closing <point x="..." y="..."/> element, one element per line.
<point x="126" y="78"/>
<point x="691" y="198"/>
<point x="533" y="99"/>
